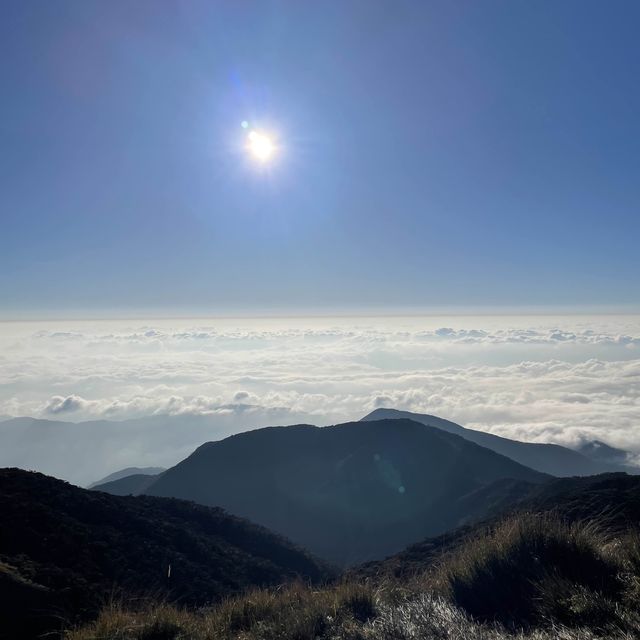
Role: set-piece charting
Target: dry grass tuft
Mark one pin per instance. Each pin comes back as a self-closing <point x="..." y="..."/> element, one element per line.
<point x="514" y="573"/>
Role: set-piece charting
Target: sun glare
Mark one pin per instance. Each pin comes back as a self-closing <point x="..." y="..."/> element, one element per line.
<point x="260" y="146"/>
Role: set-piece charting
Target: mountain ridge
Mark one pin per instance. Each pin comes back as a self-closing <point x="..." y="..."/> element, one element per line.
<point x="547" y="458"/>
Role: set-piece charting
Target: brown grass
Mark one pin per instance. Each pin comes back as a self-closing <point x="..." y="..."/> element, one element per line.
<point x="294" y="612"/>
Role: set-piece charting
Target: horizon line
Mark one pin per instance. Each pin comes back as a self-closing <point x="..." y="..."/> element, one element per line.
<point x="86" y="315"/>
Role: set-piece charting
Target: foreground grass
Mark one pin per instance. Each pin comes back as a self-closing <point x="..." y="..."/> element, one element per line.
<point x="425" y="617"/>
<point x="532" y="578"/>
<point x="295" y="611"/>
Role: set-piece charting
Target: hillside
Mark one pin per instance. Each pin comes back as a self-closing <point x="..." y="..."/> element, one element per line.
<point x="610" y="501"/>
<point x="349" y="493"/>
<point x="64" y="551"/>
<point x="546" y="458"/>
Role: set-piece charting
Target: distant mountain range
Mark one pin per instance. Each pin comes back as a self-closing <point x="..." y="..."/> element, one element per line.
<point x="63" y="551"/>
<point x="163" y="440"/>
<point x="553" y="459"/>
<point x="133" y="485"/>
<point x="82" y="452"/>
<point x="126" y="473"/>
<point x="348" y="493"/>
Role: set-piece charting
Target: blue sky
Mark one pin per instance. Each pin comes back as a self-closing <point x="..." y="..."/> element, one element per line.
<point x="430" y="153"/>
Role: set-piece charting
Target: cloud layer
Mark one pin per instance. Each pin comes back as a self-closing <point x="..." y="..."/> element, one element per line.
<point x="537" y="379"/>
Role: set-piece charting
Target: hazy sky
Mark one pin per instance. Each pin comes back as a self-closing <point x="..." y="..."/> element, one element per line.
<point x="429" y="153"/>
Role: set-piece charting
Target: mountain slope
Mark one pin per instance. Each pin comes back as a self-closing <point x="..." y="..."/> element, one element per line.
<point x="65" y="550"/>
<point x="610" y="501"/>
<point x="125" y="473"/>
<point x="546" y="458"/>
<point x="348" y="493"/>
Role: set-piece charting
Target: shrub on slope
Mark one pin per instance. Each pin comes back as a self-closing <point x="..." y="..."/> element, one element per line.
<point x="532" y="568"/>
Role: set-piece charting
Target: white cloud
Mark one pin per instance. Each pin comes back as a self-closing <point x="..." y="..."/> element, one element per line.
<point x="58" y="404"/>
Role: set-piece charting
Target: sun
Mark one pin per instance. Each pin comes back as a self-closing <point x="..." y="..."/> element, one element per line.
<point x="260" y="146"/>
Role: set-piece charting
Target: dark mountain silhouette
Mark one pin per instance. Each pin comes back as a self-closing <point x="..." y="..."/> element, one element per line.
<point x="546" y="458"/>
<point x="129" y="471"/>
<point x="610" y="501"/>
<point x="348" y="493"/>
<point x="65" y="550"/>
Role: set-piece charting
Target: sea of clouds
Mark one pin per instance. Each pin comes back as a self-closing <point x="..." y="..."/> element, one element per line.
<point x="538" y="378"/>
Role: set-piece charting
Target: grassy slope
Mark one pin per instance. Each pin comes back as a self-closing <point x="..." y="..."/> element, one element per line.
<point x="532" y="577"/>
